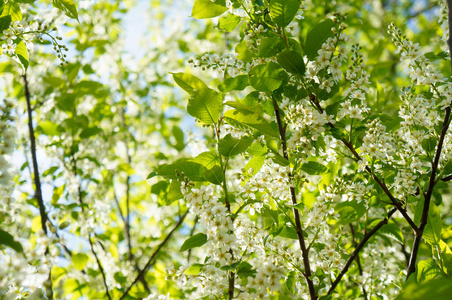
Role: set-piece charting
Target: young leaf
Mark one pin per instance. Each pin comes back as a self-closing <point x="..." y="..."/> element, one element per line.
<point x="174" y="192"/>
<point x="230" y="146"/>
<point x="214" y="175"/>
<point x="228" y="22"/>
<point x="316" y="37"/>
<point x="436" y="289"/>
<point x="188" y="82"/>
<point x="194" y="269"/>
<point x="237" y="83"/>
<point x="426" y="270"/>
<point x="4" y="22"/>
<point x="250" y="119"/>
<point x="291" y="61"/>
<point x="314" y="168"/>
<point x="267" y="77"/>
<point x="208" y="159"/>
<point x="203" y="9"/>
<point x="22" y="54"/>
<point x="79" y="260"/>
<point x="12" y="9"/>
<point x="190" y="169"/>
<point x="7" y="239"/>
<point x="282" y="12"/>
<point x="194" y="241"/>
<point x="68" y="7"/>
<point x="205" y="105"/>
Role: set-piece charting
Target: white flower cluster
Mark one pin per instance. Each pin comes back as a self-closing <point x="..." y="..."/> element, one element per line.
<point x="443" y="21"/>
<point x="421" y="71"/>
<point x="377" y="143"/>
<point x="221" y="64"/>
<point x="308" y="124"/>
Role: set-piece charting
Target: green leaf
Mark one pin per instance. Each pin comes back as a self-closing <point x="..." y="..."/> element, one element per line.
<point x="267" y="77"/>
<point x="174" y="192"/>
<point x="249" y="118"/>
<point x="237" y="83"/>
<point x="256" y="163"/>
<point x="228" y="22"/>
<point x="245" y="270"/>
<point x="12" y="9"/>
<point x="57" y="193"/>
<point x="446" y="256"/>
<point x="270" y="46"/>
<point x="192" y="170"/>
<point x="208" y="159"/>
<point x="436" y="289"/>
<point x="214" y="175"/>
<point x="314" y="168"/>
<point x="426" y="270"/>
<point x="68" y="7"/>
<point x="432" y="231"/>
<point x="178" y="135"/>
<point x="230" y="146"/>
<point x="288" y="232"/>
<point x="89" y="132"/>
<point x="49" y="128"/>
<point x="194" y="269"/>
<point x="390" y="229"/>
<point x="350" y="211"/>
<point x="282" y="12"/>
<point x="4" y="23"/>
<point x="291" y="61"/>
<point x="64" y="225"/>
<point x="203" y="9"/>
<point x="7" y="240"/>
<point x="290" y="282"/>
<point x="22" y="54"/>
<point x="205" y="105"/>
<point x="194" y="241"/>
<point x="316" y="37"/>
<point x="79" y="260"/>
<point x="188" y="82"/>
<point x="152" y="174"/>
<point x="257" y="149"/>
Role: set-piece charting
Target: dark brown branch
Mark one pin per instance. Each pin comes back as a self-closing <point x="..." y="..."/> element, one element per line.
<point x="349" y="145"/>
<point x="36" y="178"/>
<point x="447" y="178"/>
<point x="358" y="248"/>
<point x="154" y="255"/>
<point x="304" y="251"/>
<point x="431" y="184"/>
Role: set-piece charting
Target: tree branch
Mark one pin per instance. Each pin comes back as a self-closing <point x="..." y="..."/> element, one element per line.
<point x="349" y="145"/>
<point x="358" y="261"/>
<point x="304" y="251"/>
<point x="151" y="259"/>
<point x="37" y="180"/>
<point x="431" y="184"/>
<point x="358" y="248"/>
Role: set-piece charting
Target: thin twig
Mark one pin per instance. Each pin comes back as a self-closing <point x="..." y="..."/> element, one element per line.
<point x="431" y="184"/>
<point x="153" y="256"/>
<point x="358" y="261"/>
<point x="304" y="251"/>
<point x="358" y="248"/>
<point x="36" y="178"/>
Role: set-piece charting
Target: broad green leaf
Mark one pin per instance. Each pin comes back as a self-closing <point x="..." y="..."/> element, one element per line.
<point x="188" y="82"/>
<point x="7" y="240"/>
<point x="432" y="231"/>
<point x="436" y="289"/>
<point x="190" y="169"/>
<point x="4" y="23"/>
<point x="267" y="77"/>
<point x="350" y="211"/>
<point x="79" y="260"/>
<point x="203" y="9"/>
<point x="205" y="105"/>
<point x="178" y="135"/>
<point x="314" y="168"/>
<point x="194" y="269"/>
<point x="243" y="52"/>
<point x="174" y="192"/>
<point x="88" y="132"/>
<point x="194" y="241"/>
<point x="316" y="37"/>
<point x="230" y="146"/>
<point x="390" y="229"/>
<point x="68" y="7"/>
<point x="446" y="256"/>
<point x="214" y="175"/>
<point x="249" y="118"/>
<point x="245" y="270"/>
<point x="49" y="128"/>
<point x="291" y="61"/>
<point x="12" y="9"/>
<point x="255" y="163"/>
<point x="64" y="225"/>
<point x="57" y="193"/>
<point x="282" y="12"/>
<point x="22" y="54"/>
<point x="270" y="46"/>
<point x="290" y="282"/>
<point x="228" y="22"/>
<point x="237" y="83"/>
<point x="208" y="159"/>
<point x="152" y="174"/>
<point x="257" y="149"/>
<point x="426" y="270"/>
<point x="288" y="232"/>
